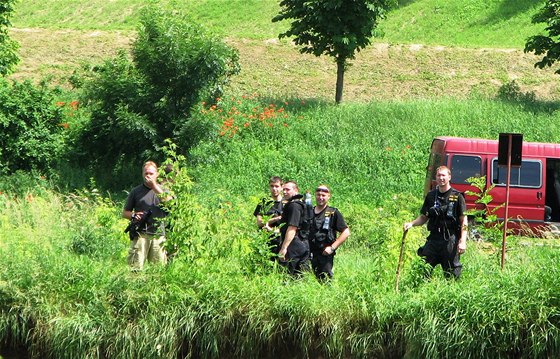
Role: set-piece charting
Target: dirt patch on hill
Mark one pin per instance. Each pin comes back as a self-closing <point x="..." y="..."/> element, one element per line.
<point x="272" y="67"/>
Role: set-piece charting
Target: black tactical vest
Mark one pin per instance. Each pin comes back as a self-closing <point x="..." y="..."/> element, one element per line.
<point x="322" y="233"/>
<point x="442" y="216"/>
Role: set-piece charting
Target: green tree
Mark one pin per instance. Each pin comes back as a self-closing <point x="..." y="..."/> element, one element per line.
<point x="338" y="28"/>
<point x="182" y="62"/>
<point x="136" y="103"/>
<point x="547" y="45"/>
<point x="8" y="47"/>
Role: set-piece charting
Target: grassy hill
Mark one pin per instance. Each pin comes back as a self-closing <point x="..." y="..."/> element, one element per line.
<point x="429" y="48"/>
<point x="478" y="23"/>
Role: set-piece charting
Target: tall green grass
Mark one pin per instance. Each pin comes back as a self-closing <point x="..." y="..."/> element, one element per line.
<point x="365" y="152"/>
<point x="66" y="291"/>
<point x="61" y="304"/>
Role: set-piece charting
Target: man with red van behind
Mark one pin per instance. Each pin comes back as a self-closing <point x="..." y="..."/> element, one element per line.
<point x="444" y="209"/>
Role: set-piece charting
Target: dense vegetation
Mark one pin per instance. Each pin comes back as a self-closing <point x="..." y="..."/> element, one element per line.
<point x="66" y="291"/>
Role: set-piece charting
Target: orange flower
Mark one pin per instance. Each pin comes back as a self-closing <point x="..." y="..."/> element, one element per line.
<point x="60" y="103"/>
<point x="64" y="125"/>
<point x="74" y="104"/>
<point x="246" y="124"/>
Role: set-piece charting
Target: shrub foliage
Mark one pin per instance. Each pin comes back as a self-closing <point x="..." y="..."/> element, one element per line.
<point x="31" y="127"/>
<point x="136" y="103"/>
<point x="8" y="47"/>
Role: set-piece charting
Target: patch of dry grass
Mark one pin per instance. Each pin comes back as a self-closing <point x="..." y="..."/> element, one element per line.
<point x="276" y="68"/>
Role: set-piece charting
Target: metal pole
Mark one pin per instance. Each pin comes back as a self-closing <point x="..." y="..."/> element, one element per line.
<point x="510" y="140"/>
<point x="401" y="257"/>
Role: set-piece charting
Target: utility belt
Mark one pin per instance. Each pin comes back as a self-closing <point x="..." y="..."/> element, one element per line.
<point x="443" y="236"/>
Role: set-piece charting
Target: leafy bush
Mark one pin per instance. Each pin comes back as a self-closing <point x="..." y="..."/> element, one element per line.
<point x="32" y="127"/>
<point x="8" y="47"/>
<point x="485" y="220"/>
<point x="119" y="129"/>
<point x="138" y="103"/>
<point x="182" y="62"/>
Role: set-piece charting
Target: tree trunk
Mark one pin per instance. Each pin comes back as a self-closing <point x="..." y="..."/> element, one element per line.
<point x="340" y="66"/>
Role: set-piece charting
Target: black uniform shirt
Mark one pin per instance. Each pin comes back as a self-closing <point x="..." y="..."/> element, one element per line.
<point x="269" y="207"/>
<point x="292" y="215"/>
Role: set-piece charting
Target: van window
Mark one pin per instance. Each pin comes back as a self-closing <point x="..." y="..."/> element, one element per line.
<point x="528" y="175"/>
<point x="463" y="167"/>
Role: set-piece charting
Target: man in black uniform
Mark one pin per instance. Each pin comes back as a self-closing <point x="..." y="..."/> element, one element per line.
<point x="327" y="221"/>
<point x="444" y="209"/>
<point x="269" y="212"/>
<point x="295" y="246"/>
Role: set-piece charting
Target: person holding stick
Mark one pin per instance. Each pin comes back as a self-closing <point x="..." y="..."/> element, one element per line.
<point x="444" y="210"/>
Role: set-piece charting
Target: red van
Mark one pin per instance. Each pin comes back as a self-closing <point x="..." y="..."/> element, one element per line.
<point x="534" y="197"/>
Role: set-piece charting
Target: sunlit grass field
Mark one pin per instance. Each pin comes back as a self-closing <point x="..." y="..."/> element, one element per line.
<point x="67" y="292"/>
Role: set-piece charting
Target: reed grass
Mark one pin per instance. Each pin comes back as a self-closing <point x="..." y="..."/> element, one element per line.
<point x="63" y="304"/>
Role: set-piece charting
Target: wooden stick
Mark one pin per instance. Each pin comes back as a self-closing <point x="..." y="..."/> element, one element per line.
<point x="401" y="258"/>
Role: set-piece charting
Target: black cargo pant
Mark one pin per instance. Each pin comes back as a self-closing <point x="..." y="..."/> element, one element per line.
<point x="297" y="256"/>
<point x="442" y="251"/>
<point x="322" y="264"/>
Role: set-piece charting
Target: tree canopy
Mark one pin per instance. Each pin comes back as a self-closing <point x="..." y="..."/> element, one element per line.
<point x="8" y="47"/>
<point x="337" y="28"/>
<point x="547" y="45"/>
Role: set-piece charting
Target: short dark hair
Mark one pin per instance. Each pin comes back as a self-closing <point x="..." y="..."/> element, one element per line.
<point x="275" y="179"/>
